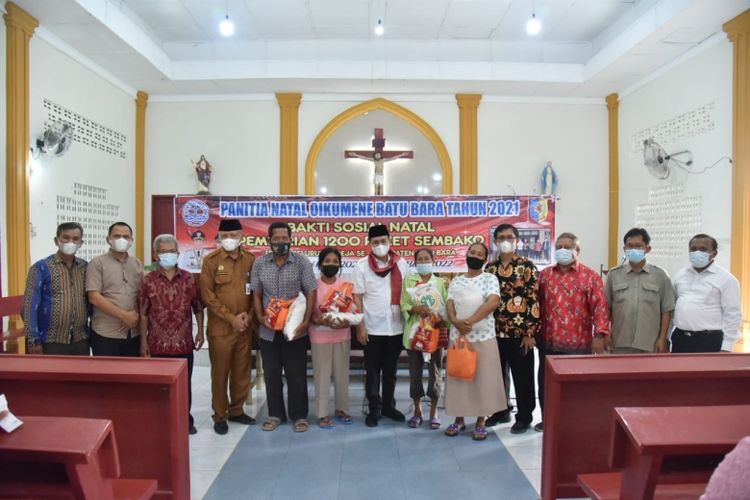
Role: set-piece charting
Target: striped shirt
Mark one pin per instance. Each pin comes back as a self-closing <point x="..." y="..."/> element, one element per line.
<point x="55" y="308"/>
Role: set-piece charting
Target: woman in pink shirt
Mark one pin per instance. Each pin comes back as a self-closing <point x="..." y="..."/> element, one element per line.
<point x="330" y="343"/>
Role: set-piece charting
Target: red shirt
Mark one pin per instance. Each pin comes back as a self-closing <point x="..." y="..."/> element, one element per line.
<point x="169" y="305"/>
<point x="574" y="307"/>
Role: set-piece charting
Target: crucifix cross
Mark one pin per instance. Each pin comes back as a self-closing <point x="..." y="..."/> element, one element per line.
<point x="378" y="157"/>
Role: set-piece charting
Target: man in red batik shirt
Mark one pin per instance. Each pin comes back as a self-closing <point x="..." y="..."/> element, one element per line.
<point x="575" y="316"/>
<point x="168" y="296"/>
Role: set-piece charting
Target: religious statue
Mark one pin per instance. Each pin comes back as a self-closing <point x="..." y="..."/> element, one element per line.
<point x="203" y="170"/>
<point x="379" y="157"/>
<point x="548" y="180"/>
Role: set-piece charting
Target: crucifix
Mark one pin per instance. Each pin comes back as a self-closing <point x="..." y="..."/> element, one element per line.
<point x="378" y="157"/>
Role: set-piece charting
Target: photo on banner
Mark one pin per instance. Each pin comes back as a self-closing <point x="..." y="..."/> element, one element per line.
<point x="446" y="224"/>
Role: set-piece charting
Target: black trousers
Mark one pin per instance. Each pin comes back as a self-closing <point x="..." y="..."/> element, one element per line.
<point x="189" y="358"/>
<point x="80" y="348"/>
<point x="513" y="360"/>
<point x="105" y="346"/>
<point x="543" y="353"/>
<point x="705" y="341"/>
<point x="381" y="356"/>
<point x="289" y="357"/>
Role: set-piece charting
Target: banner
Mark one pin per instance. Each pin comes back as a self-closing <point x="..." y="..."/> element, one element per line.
<point x="445" y="224"/>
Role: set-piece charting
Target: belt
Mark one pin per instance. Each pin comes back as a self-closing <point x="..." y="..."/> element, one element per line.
<point x="700" y="332"/>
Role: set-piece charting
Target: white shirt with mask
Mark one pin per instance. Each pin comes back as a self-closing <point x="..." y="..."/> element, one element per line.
<point x="381" y="317"/>
<point x="709" y="300"/>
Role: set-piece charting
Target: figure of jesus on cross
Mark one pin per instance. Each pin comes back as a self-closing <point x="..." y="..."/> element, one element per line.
<point x="378" y="157"/>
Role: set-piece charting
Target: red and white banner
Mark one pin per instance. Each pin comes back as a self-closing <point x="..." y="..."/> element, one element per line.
<point x="445" y="224"/>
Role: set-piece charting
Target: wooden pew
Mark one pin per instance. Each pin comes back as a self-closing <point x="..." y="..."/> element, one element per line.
<point x="651" y="446"/>
<point x="11" y="339"/>
<point x="85" y="448"/>
<point x="581" y="393"/>
<point x="146" y="400"/>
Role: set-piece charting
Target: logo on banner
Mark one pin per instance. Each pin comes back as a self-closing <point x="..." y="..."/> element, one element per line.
<point x="538" y="210"/>
<point x="195" y="213"/>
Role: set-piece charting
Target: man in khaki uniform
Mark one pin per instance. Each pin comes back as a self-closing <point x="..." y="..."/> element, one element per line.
<point x="225" y="289"/>
<point x="641" y="299"/>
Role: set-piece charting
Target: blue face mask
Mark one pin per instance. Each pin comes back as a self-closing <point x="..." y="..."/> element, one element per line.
<point x="635" y="255"/>
<point x="699" y="259"/>
<point x="564" y="256"/>
<point x="425" y="268"/>
<point x="168" y="260"/>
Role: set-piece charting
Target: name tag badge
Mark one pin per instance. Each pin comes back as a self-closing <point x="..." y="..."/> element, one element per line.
<point x="248" y="290"/>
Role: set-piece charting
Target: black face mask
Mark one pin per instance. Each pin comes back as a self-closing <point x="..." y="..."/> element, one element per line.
<point x="474" y="262"/>
<point x="280" y="249"/>
<point x="329" y="271"/>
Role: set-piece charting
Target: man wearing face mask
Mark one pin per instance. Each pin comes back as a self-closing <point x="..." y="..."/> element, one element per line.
<point x="55" y="309"/>
<point x="707" y="314"/>
<point x="516" y="323"/>
<point x="283" y="274"/>
<point x="378" y="280"/>
<point x="574" y="314"/>
<point x="168" y="299"/>
<point x="640" y="298"/>
<point x="225" y="290"/>
<point x="112" y="283"/>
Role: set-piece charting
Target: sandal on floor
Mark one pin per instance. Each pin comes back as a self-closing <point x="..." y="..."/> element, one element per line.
<point x="454" y="429"/>
<point x="342" y="417"/>
<point x="480" y="434"/>
<point x="415" y="421"/>
<point x="434" y="423"/>
<point x="271" y="424"/>
<point x="325" y="423"/>
<point x="301" y="425"/>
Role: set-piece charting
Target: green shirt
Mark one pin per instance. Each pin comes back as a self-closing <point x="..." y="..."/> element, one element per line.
<point x="407" y="303"/>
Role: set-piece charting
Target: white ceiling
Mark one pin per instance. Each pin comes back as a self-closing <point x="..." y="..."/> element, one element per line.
<point x="587" y="48"/>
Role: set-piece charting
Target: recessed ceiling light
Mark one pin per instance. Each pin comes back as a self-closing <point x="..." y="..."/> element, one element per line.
<point x="534" y="26"/>
<point x="226" y="27"/>
<point x="379" y="29"/>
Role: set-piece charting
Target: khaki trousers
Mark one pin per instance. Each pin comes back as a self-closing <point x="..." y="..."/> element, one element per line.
<point x="331" y="359"/>
<point x="230" y="361"/>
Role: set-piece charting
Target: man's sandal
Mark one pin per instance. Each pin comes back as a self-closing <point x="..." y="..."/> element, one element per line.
<point x="301" y="425"/>
<point x="342" y="417"/>
<point x="326" y="423"/>
<point x="271" y="424"/>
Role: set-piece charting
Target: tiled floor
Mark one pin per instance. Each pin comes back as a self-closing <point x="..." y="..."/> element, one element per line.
<point x="390" y="461"/>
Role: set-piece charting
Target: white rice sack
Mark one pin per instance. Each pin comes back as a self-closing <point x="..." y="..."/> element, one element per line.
<point x="296" y="316"/>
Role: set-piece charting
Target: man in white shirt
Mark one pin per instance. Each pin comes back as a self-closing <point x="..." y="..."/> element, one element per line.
<point x="707" y="314"/>
<point x="377" y="292"/>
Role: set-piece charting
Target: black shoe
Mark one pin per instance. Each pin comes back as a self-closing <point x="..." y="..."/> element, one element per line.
<point x="393" y="414"/>
<point x="519" y="428"/>
<point x="501" y="417"/>
<point x="221" y="427"/>
<point x="539" y="427"/>
<point x="243" y="419"/>
<point x="192" y="429"/>
<point x="372" y="419"/>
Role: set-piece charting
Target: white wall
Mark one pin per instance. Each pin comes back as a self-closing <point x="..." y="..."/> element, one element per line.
<point x="516" y="140"/>
<point x="239" y="138"/>
<point x="703" y="78"/>
<point x="56" y="77"/>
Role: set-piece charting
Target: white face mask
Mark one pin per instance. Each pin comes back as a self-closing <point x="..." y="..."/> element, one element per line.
<point x="381" y="250"/>
<point x="68" y="248"/>
<point x="230" y="244"/>
<point x="120" y="244"/>
<point x="565" y="256"/>
<point x="507" y="247"/>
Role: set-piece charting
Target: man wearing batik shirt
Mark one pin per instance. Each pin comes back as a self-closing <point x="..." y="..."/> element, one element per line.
<point x="516" y="323"/>
<point x="55" y="309"/>
<point x="575" y="316"/>
<point x="168" y="296"/>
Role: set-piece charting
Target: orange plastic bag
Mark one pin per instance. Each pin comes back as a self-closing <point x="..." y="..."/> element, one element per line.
<point x="339" y="299"/>
<point x="277" y="311"/>
<point x="462" y="362"/>
<point x="426" y="337"/>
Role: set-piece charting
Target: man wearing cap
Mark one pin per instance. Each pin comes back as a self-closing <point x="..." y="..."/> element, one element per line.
<point x="192" y="260"/>
<point x="377" y="292"/>
<point x="225" y="289"/>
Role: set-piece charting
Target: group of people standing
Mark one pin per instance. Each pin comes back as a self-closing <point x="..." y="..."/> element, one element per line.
<point x="502" y="306"/>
